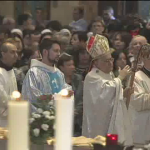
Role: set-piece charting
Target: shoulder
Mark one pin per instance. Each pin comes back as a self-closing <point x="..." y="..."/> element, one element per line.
<point x="93" y="75"/>
<point x="2" y="71"/>
<point x="140" y="75"/>
<point x="78" y="77"/>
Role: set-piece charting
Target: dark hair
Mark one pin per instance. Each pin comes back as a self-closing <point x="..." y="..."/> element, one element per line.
<point x="47" y="44"/>
<point x="4" y="30"/>
<point x="97" y="19"/>
<point x="27" y="53"/>
<point x="22" y="18"/>
<point x="125" y="37"/>
<point x="82" y="36"/>
<point x="116" y="55"/>
<point x="81" y="9"/>
<point x="38" y="29"/>
<point x="27" y="32"/>
<point x="79" y="50"/>
<point x="114" y="26"/>
<point x="54" y="25"/>
<point x="109" y="8"/>
<point x="64" y="58"/>
<point x="43" y="35"/>
<point x="13" y="35"/>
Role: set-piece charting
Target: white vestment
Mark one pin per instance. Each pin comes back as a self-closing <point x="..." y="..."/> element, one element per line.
<point x="104" y="109"/>
<point x="140" y="107"/>
<point x="8" y="84"/>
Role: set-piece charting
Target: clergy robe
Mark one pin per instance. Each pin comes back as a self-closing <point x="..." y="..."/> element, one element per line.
<point x="140" y="105"/>
<point x="104" y="109"/>
<point x="42" y="79"/>
<point x="8" y="84"/>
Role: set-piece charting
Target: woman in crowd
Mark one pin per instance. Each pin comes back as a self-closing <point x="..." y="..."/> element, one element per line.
<point x="120" y="61"/>
<point x="121" y="40"/>
<point x="79" y="39"/>
<point x="134" y="47"/>
<point x="97" y="26"/>
<point x="66" y="65"/>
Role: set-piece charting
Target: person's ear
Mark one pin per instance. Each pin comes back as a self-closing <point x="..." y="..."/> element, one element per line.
<point x="2" y="54"/>
<point x="45" y="52"/>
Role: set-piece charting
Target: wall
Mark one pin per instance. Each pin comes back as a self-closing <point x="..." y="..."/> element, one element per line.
<point x="60" y="10"/>
<point x="63" y="11"/>
<point x="144" y="9"/>
<point x="7" y="8"/>
<point x="91" y="9"/>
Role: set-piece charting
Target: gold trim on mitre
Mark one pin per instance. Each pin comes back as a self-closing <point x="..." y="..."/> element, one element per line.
<point x="97" y="45"/>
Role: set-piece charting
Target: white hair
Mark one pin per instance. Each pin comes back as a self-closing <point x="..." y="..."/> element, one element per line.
<point x="8" y="20"/>
<point x="131" y="43"/>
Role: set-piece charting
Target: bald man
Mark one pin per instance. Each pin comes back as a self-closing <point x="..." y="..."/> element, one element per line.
<point x="8" y="57"/>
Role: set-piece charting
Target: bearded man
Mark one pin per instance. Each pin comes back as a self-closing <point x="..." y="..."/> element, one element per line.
<point x="43" y="78"/>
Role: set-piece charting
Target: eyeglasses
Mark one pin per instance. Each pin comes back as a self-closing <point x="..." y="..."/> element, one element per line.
<point x="108" y="60"/>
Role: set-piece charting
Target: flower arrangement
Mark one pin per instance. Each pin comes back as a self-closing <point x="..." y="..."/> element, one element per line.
<point x="42" y="121"/>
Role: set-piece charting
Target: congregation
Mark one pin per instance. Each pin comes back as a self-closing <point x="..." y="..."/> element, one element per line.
<point x="95" y="60"/>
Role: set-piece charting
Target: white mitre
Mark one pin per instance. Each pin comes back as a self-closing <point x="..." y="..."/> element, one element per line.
<point x="97" y="46"/>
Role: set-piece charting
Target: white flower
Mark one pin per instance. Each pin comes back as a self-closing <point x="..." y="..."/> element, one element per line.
<point x="36" y="132"/>
<point x="31" y="120"/>
<point x="45" y="127"/>
<point x="33" y="114"/>
<point x="52" y="117"/>
<point x="47" y="117"/>
<point x="51" y="102"/>
<point x="36" y="116"/>
<point x="46" y="113"/>
<point x="39" y="110"/>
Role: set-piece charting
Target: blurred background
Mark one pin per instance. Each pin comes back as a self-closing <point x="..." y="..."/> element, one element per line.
<point x="62" y="10"/>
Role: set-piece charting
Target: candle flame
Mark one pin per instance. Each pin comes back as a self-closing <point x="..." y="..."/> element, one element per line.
<point x="16" y="95"/>
<point x="64" y="92"/>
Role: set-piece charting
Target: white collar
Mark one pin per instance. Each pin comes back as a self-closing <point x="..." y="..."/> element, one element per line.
<point x="37" y="63"/>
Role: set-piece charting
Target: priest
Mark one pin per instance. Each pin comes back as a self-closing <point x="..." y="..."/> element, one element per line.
<point x="44" y="78"/>
<point x="140" y="102"/>
<point x="8" y="84"/>
<point x="104" y="109"/>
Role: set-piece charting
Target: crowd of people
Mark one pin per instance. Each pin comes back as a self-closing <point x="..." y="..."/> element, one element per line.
<point x="95" y="60"/>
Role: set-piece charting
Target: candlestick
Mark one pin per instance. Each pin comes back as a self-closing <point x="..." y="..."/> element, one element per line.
<point x="18" y="126"/>
<point x="64" y="120"/>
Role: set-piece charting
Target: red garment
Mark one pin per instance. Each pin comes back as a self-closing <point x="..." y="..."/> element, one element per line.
<point x="134" y="33"/>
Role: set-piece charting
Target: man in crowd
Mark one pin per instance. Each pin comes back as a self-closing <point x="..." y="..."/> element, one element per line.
<point x="44" y="78"/>
<point x="39" y="21"/>
<point x="108" y="15"/>
<point x="79" y="24"/>
<point x="25" y="22"/>
<point x="104" y="109"/>
<point x="140" y="102"/>
<point x="8" y="84"/>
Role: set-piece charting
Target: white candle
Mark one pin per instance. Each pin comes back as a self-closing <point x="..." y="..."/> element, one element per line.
<point x="18" y="126"/>
<point x="64" y="120"/>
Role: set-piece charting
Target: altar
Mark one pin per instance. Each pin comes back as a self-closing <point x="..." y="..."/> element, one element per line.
<point x="3" y="146"/>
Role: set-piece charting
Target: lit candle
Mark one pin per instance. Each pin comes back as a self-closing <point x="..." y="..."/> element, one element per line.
<point x="18" y="126"/>
<point x="64" y="120"/>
